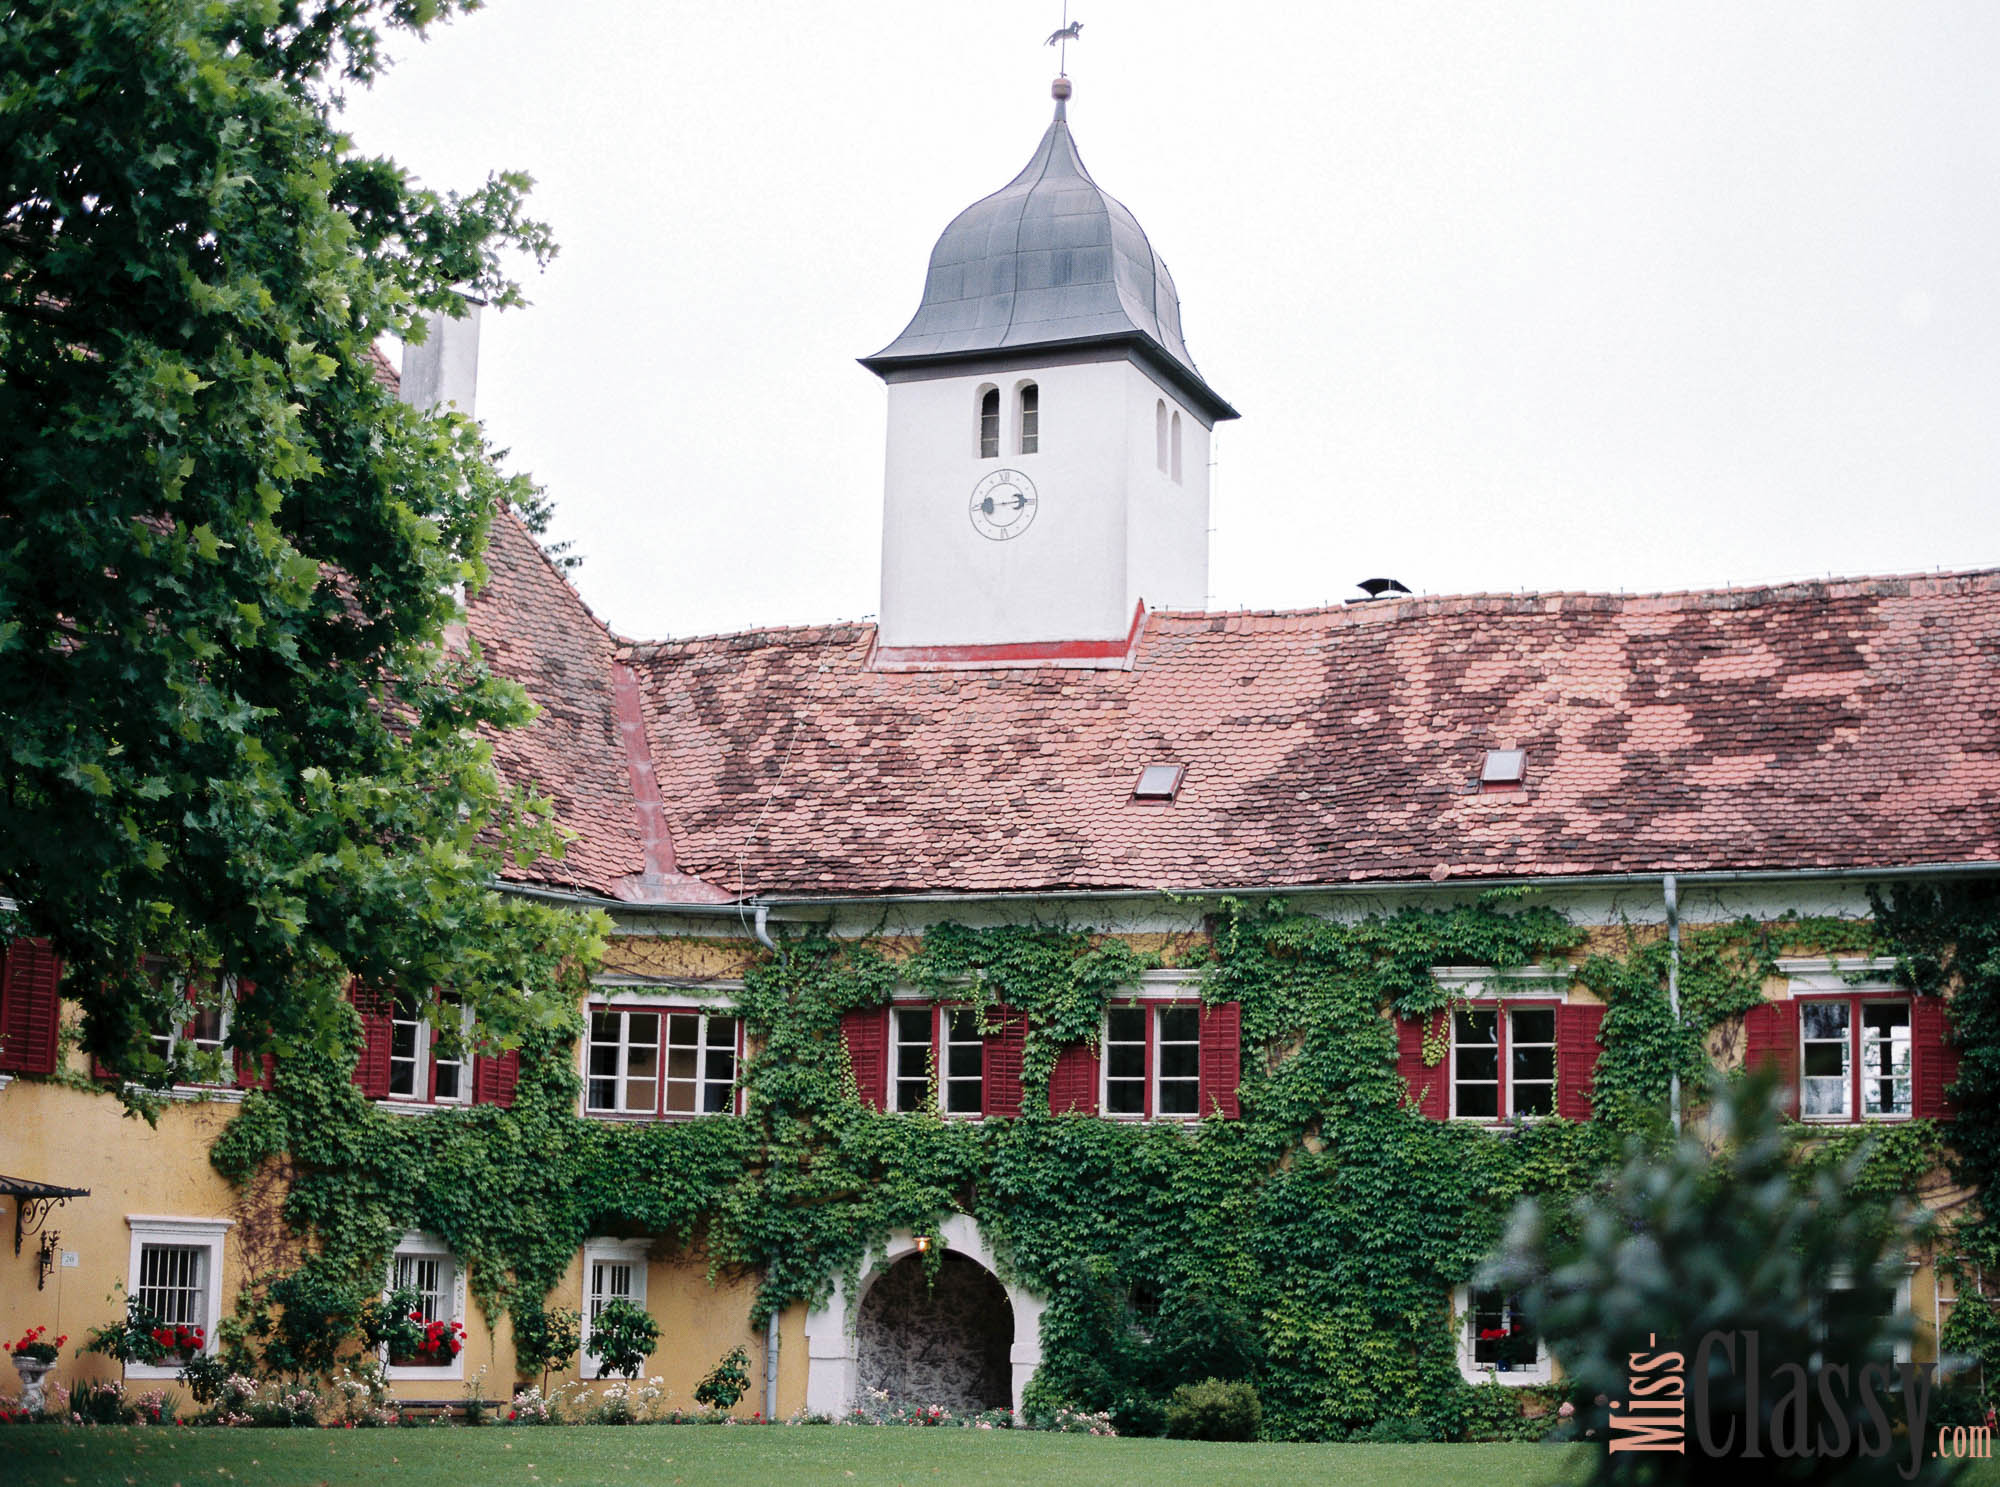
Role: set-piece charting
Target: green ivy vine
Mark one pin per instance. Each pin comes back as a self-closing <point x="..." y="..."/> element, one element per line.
<point x="1311" y="1246"/>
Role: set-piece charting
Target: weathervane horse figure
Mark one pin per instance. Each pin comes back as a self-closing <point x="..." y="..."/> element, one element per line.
<point x="1072" y="32"/>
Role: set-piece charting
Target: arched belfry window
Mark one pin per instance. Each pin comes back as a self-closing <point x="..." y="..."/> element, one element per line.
<point x="989" y="424"/>
<point x="1160" y="434"/>
<point x="1031" y="418"/>
<point x="1175" y="441"/>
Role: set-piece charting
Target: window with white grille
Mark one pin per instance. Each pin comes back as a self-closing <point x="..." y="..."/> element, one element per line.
<point x="661" y="1062"/>
<point x="613" y="1270"/>
<point x="424" y="1267"/>
<point x="173" y="1284"/>
<point x="175" y="1274"/>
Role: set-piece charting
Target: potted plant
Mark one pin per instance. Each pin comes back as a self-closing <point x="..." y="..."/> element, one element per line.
<point x="396" y="1324"/>
<point x="33" y="1358"/>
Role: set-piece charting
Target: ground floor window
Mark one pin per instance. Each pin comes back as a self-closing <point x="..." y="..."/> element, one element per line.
<point x="613" y="1270"/>
<point x="1498" y="1340"/>
<point x="426" y="1273"/>
<point x="175" y="1276"/>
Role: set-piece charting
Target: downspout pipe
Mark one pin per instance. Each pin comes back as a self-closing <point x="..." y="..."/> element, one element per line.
<point x="1670" y="891"/>
<point x="771" y="1369"/>
<point x="762" y="929"/>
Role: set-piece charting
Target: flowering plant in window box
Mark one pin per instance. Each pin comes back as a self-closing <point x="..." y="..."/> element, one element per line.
<point x="145" y="1338"/>
<point x="33" y="1349"/>
<point x="1513" y="1347"/>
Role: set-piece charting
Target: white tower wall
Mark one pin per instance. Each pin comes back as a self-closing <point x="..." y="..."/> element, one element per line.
<point x="1110" y="528"/>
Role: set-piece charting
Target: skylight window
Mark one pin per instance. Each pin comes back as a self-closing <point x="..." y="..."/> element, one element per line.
<point x="1504" y="769"/>
<point x="1159" y="782"/>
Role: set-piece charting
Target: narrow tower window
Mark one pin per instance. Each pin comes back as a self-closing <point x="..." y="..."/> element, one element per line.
<point x="1031" y="418"/>
<point x="989" y="424"/>
<point x="1160" y="435"/>
<point x="1176" y="441"/>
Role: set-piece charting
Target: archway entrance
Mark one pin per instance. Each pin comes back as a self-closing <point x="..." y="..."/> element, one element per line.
<point x="947" y="1342"/>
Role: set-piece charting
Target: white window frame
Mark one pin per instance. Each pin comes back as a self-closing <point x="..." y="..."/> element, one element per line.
<point x="1899" y="1308"/>
<point x="1863" y="979"/>
<point x="418" y="1244"/>
<point x="1157" y="992"/>
<point x="608" y="1252"/>
<point x="1021" y="411"/>
<point x="945" y="1044"/>
<point x="1473" y="1372"/>
<point x="933" y="1096"/>
<point x="225" y="1090"/>
<point x="1488" y="990"/>
<point x="631" y="994"/>
<point x="152" y="1229"/>
<point x="426" y="1076"/>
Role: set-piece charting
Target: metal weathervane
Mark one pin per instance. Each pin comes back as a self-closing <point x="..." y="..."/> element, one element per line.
<point x="1071" y="31"/>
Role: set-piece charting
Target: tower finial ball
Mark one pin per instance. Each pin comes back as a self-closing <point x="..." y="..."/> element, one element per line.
<point x="1060" y="90"/>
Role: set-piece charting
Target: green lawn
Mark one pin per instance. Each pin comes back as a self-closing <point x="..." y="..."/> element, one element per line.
<point x="587" y="1456"/>
<point x="599" y="1456"/>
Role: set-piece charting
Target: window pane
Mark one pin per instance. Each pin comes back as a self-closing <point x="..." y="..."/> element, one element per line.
<point x="1885" y="1059"/>
<point x="1179" y="1061"/>
<point x="1533" y="1025"/>
<point x="1125" y="1060"/>
<point x="683" y="1030"/>
<point x="1471" y="1028"/>
<point x="1125" y="1096"/>
<point x="1480" y="1101"/>
<point x="1482" y="1064"/>
<point x="682" y="1062"/>
<point x="1533" y="1099"/>
<point x="1823" y="1019"/>
<point x="681" y="1096"/>
<point x="1180" y="1097"/>
<point x="721" y="1065"/>
<point x="1532" y="1064"/>
<point x="1179" y="1025"/>
<point x="1126" y="1025"/>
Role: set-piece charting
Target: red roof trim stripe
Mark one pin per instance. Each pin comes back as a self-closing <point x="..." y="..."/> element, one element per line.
<point x="1107" y="653"/>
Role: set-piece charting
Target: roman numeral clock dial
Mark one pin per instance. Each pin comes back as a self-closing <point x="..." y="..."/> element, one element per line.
<point x="1004" y="505"/>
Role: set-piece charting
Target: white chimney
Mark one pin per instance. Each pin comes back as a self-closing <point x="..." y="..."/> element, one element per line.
<point x="444" y="366"/>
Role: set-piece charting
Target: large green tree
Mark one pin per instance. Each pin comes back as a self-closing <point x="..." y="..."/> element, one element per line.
<point x="235" y="729"/>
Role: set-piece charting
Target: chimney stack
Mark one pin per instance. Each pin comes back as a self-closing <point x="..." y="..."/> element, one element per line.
<point x="444" y="368"/>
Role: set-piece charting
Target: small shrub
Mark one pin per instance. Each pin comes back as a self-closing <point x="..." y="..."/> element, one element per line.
<point x="1215" y="1410"/>
<point x="623" y="1337"/>
<point x="204" y="1375"/>
<point x="545" y="1340"/>
<point x="727" y="1382"/>
<point x="101" y="1404"/>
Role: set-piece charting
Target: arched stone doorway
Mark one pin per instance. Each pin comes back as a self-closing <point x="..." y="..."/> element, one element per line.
<point x="834" y="1331"/>
<point x="936" y="1341"/>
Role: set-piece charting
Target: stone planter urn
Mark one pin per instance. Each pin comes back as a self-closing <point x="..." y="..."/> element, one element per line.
<point x="32" y="1372"/>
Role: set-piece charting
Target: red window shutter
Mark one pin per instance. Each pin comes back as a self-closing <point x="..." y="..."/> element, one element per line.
<point x="1073" y="1085"/>
<point x="494" y="1077"/>
<point x="253" y="1071"/>
<point x="1577" y="1047"/>
<point x="1771" y="1039"/>
<point x="371" y="1072"/>
<point x="1003" y="1060"/>
<point x="30" y="1008"/>
<point x="1933" y="1058"/>
<point x="1221" y="1058"/>
<point x="866" y="1032"/>
<point x="1427" y="1083"/>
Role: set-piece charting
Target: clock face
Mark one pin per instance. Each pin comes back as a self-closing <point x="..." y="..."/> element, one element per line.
<point x="1003" y="505"/>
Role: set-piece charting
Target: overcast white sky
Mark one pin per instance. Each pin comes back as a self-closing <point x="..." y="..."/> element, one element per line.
<point x="1548" y="295"/>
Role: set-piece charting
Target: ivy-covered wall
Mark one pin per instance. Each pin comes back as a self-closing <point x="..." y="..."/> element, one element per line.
<point x="1311" y="1246"/>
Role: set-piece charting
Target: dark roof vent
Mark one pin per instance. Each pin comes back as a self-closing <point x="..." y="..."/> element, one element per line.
<point x="1378" y="588"/>
<point x="1159" y="782"/>
<point x="1504" y="769"/>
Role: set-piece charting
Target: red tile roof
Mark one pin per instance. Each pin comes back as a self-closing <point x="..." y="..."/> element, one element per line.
<point x="535" y="628"/>
<point x="1846" y="723"/>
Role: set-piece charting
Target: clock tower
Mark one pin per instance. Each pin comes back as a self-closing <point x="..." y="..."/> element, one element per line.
<point x="1048" y="433"/>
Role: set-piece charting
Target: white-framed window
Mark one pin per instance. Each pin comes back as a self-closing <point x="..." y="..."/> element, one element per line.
<point x="198" y="1026"/>
<point x="1150" y="1060"/>
<point x="1498" y="1341"/>
<point x="422" y="1068"/>
<point x="175" y="1272"/>
<point x="1160" y="434"/>
<point x="613" y="1270"/>
<point x="925" y="1037"/>
<point x="1174" y="440"/>
<point x="424" y="1264"/>
<point x="1890" y="1304"/>
<point x="1854" y="1057"/>
<point x="661" y="1059"/>
<point x="1503" y="1060"/>
<point x="1030" y="408"/>
<point x="989" y="423"/>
